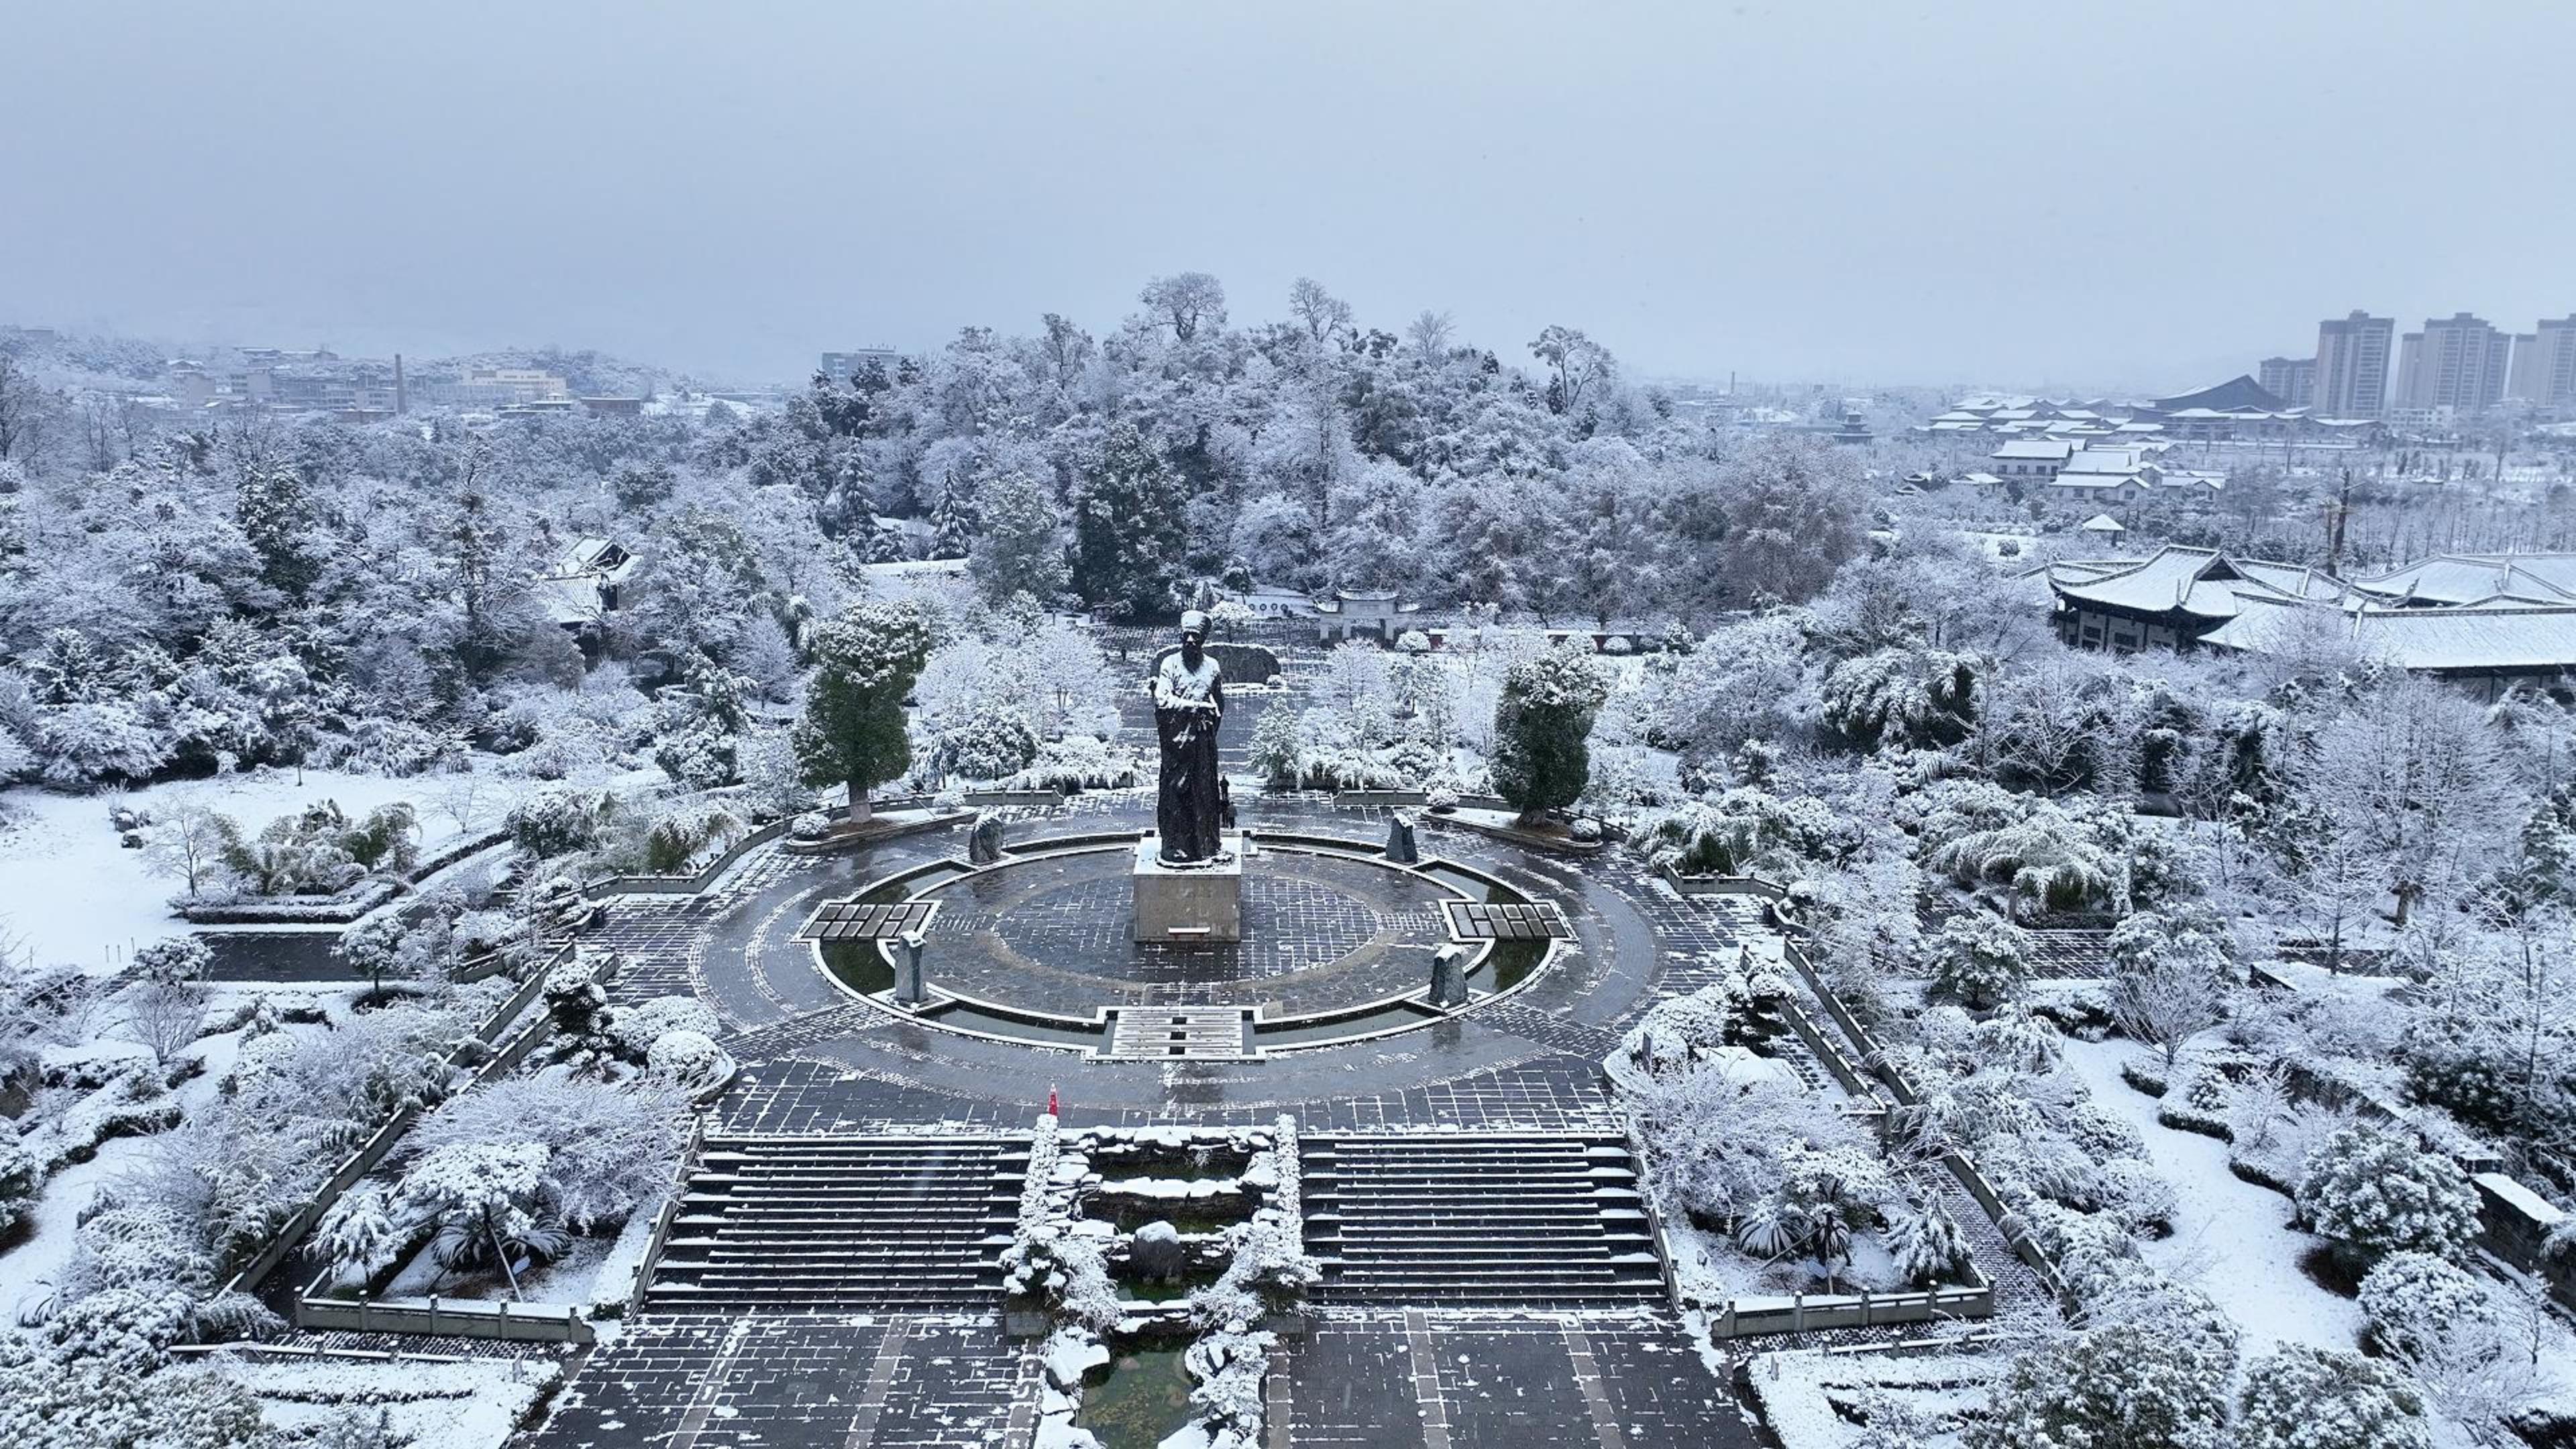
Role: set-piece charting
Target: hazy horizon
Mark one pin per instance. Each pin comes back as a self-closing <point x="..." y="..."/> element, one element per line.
<point x="2018" y="195"/>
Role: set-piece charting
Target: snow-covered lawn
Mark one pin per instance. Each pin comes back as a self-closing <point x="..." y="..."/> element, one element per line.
<point x="2231" y="1239"/>
<point x="470" y="1404"/>
<point x="72" y="896"/>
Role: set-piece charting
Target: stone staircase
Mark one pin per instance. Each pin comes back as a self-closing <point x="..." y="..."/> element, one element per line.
<point x="896" y="1222"/>
<point x="1524" y="1219"/>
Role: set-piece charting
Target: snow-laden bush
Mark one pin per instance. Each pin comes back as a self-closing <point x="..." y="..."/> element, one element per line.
<point x="2411" y="1300"/>
<point x="2142" y="1383"/>
<point x="1979" y="958"/>
<point x="20" y="1176"/>
<point x="94" y="1403"/>
<point x="398" y="748"/>
<point x="603" y="1150"/>
<point x="560" y="821"/>
<point x="2373" y="1192"/>
<point x="2302" y="1397"/>
<point x="2136" y="1196"/>
<point x="635" y="1028"/>
<point x="480" y="1202"/>
<point x="1229" y="1367"/>
<point x="1678" y="1030"/>
<point x="688" y="1060"/>
<point x="2039" y="858"/>
<point x="357" y="1234"/>
<point x="1745" y="831"/>
<point x="683" y="833"/>
<point x="1078" y="762"/>
<point x="993" y="742"/>
<point x="1068" y="1269"/>
<point x="1926" y="1243"/>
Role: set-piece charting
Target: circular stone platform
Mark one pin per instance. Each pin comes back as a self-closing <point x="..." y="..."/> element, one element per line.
<point x="1052" y="934"/>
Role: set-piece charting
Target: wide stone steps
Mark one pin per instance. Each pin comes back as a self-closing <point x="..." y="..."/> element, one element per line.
<point x="898" y="1222"/>
<point x="1541" y="1220"/>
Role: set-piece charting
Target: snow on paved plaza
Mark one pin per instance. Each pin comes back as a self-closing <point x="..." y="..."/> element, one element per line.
<point x="2231" y="1239"/>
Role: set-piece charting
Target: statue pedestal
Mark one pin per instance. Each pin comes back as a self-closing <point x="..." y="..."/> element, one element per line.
<point x="1183" y="905"/>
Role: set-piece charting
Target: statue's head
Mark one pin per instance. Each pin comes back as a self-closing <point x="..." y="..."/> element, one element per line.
<point x="1194" y="628"/>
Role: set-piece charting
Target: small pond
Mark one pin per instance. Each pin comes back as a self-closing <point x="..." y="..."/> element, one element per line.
<point x="1140" y="1400"/>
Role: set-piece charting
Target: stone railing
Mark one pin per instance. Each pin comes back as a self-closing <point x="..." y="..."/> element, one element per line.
<point x="1812" y="1312"/>
<point x="667" y="1217"/>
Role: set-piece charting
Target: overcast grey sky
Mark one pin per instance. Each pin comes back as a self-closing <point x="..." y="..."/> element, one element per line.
<point x="2082" y="195"/>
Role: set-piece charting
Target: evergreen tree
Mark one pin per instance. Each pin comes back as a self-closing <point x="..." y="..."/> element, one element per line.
<point x="275" y="514"/>
<point x="1542" y="726"/>
<point x="2314" y="1398"/>
<point x="952" y="521"/>
<point x="1021" y="550"/>
<point x="1129" y="535"/>
<point x="853" y="730"/>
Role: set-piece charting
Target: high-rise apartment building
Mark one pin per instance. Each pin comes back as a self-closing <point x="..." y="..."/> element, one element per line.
<point x="840" y="367"/>
<point x="2544" y="363"/>
<point x="2352" y="366"/>
<point x="2456" y="362"/>
<point x="2291" y="379"/>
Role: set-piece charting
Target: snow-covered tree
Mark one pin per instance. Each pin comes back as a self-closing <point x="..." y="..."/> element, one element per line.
<point x="2169" y="973"/>
<point x="2302" y="1397"/>
<point x="357" y="1234"/>
<point x="1541" y="728"/>
<point x="1979" y="958"/>
<point x="852" y="732"/>
<point x="2372" y="1192"/>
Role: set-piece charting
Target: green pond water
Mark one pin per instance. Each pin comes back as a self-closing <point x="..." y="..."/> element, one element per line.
<point x="1144" y="1399"/>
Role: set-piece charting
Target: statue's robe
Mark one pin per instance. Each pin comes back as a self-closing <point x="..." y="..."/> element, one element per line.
<point x="1188" y="703"/>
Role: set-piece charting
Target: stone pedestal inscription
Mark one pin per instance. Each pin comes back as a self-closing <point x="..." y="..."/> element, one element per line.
<point x="1181" y="905"/>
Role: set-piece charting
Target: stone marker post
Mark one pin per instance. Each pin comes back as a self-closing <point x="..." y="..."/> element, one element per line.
<point x="907" y="968"/>
<point x="1399" y="839"/>
<point x="1449" y="977"/>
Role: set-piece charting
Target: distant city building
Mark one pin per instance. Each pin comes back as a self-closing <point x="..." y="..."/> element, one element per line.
<point x="2352" y="366"/>
<point x="2456" y="362"/>
<point x="497" y="387"/>
<point x="840" y="367"/>
<point x="2544" y="364"/>
<point x="2292" y="379"/>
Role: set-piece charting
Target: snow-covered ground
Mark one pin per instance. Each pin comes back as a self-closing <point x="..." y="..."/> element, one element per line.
<point x="2231" y="1239"/>
<point x="467" y="1404"/>
<point x="70" y="895"/>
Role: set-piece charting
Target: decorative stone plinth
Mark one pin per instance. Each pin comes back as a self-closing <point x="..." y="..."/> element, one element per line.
<point x="1182" y="905"/>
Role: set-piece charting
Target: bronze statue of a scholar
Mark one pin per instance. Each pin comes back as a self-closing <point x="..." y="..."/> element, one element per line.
<point x="1188" y="877"/>
<point x="1189" y="703"/>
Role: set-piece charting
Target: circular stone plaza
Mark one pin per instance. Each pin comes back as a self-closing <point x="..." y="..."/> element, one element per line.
<point x="1414" y="1017"/>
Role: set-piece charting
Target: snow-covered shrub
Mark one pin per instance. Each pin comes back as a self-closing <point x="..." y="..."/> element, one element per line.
<point x="54" y="1403"/>
<point x="993" y="742"/>
<point x="1926" y="1243"/>
<point x="2199" y="1103"/>
<point x="480" y="1202"/>
<point x="559" y="821"/>
<point x="1979" y="958"/>
<point x="2410" y="1301"/>
<point x="812" y="825"/>
<point x="2134" y="1195"/>
<point x="2302" y="1397"/>
<point x="601" y="1150"/>
<point x="2039" y="857"/>
<point x="1676" y="1031"/>
<point x="357" y="1234"/>
<point x="173" y="961"/>
<point x="689" y="1060"/>
<point x="2140" y="1384"/>
<point x="1716" y="1142"/>
<point x="1078" y="762"/>
<point x="20" y="1175"/>
<point x="394" y="747"/>
<point x="2373" y="1192"/>
<point x="680" y="834"/>
<point x="1266" y="1271"/>
<point x="635" y="1028"/>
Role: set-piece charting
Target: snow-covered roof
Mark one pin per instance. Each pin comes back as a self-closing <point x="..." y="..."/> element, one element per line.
<point x="2050" y="450"/>
<point x="2103" y="523"/>
<point x="2457" y="579"/>
<point x="2197" y="581"/>
<point x="2104" y="461"/>
<point x="2513" y="640"/>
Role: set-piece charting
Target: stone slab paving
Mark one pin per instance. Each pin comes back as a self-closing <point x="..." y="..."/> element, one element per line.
<point x="831" y="1382"/>
<point x="1448" y="1381"/>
